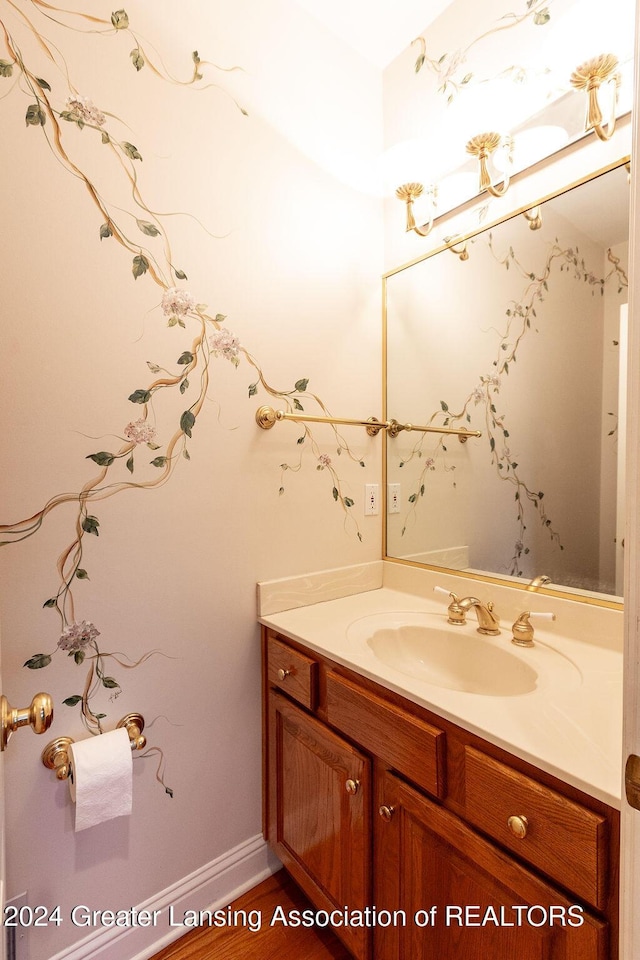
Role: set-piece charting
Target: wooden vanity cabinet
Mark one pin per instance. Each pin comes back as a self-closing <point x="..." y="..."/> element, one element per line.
<point x="371" y="800"/>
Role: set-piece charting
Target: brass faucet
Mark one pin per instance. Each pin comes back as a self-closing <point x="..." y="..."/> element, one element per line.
<point x="488" y="621"/>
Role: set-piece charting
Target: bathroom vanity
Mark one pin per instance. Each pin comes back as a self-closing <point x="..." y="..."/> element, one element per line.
<point x="420" y="837"/>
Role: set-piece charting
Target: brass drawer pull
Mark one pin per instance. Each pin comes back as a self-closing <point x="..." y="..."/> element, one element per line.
<point x="518" y="826"/>
<point x="352" y="786"/>
<point x="386" y="812"/>
<point x="283" y="674"/>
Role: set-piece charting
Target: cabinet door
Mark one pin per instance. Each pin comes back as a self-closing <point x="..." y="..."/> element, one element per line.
<point x="320" y="820"/>
<point x="427" y="858"/>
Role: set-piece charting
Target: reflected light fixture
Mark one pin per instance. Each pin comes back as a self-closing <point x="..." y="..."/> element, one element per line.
<point x="409" y="192"/>
<point x="482" y="146"/>
<point x="533" y="217"/>
<point x="590" y="76"/>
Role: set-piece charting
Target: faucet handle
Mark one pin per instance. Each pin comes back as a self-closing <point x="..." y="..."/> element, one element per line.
<point x="522" y="629"/>
<point x="457" y="614"/>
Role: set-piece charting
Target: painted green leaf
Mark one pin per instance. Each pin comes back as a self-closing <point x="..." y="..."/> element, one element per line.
<point x="72" y="701"/>
<point x="6" y="68"/>
<point x="253" y="389"/>
<point x="348" y="502"/>
<point x="105" y="231"/>
<point x="129" y="464"/>
<point x="110" y="683"/>
<point x="43" y="84"/>
<point x="220" y="317"/>
<point x="120" y="19"/>
<point x="297" y="405"/>
<point x="137" y="59"/>
<point x="51" y="602"/>
<point x="36" y="663"/>
<point x="181" y="275"/>
<point x="301" y="385"/>
<point x="153" y="367"/>
<point x="169" y="791"/>
<point x="103" y="459"/>
<point x="90" y="525"/>
<point x="140" y="396"/>
<point x="185" y="357"/>
<point x="159" y="462"/>
<point x="105" y="137"/>
<point x="185" y="454"/>
<point x="413" y="498"/>
<point x="444" y="406"/>
<point x="149" y="229"/>
<point x="184" y="385"/>
<point x="300" y="440"/>
<point x="131" y="151"/>
<point x="492" y="444"/>
<point x="78" y="656"/>
<point x="541" y="17"/>
<point x="420" y="62"/>
<point x="140" y="265"/>
<point x="187" y="421"/>
<point x="335" y="493"/>
<point x="82" y="574"/>
<point x="35" y="115"/>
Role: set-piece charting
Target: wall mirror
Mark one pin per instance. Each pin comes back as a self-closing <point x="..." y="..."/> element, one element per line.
<point x="519" y="332"/>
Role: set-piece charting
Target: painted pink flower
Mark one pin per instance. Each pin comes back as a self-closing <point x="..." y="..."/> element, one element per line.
<point x="224" y="344"/>
<point x="177" y="303"/>
<point x="324" y="460"/>
<point x="76" y="636"/>
<point x="84" y="109"/>
<point x="139" y="431"/>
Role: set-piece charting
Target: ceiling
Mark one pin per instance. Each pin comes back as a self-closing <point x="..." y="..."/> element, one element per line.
<point x="376" y="29"/>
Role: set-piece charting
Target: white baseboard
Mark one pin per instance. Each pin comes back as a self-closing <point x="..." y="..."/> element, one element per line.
<point x="211" y="887"/>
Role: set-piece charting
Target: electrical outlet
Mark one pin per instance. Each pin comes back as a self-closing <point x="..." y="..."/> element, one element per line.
<point x="17" y="938"/>
<point x="393" y="498"/>
<point x="371" y="497"/>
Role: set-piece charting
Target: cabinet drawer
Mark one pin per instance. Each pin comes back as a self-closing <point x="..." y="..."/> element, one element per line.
<point x="410" y="746"/>
<point x="292" y="672"/>
<point x="565" y="840"/>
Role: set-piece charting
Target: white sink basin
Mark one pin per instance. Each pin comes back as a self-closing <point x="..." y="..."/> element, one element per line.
<point x="425" y="647"/>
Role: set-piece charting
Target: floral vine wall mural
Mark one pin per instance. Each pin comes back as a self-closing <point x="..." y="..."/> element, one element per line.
<point x="527" y="328"/>
<point x="451" y="70"/>
<point x="167" y="404"/>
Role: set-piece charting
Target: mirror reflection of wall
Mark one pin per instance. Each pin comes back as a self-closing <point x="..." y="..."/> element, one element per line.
<point x="521" y="341"/>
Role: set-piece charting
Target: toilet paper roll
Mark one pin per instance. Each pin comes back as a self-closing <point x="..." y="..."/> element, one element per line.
<point x="100" y="783"/>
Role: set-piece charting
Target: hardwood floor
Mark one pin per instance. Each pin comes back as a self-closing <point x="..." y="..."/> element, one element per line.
<point x="280" y="942"/>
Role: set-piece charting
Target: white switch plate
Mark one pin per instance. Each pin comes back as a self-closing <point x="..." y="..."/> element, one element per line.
<point x="393" y="498"/>
<point x="371" y="499"/>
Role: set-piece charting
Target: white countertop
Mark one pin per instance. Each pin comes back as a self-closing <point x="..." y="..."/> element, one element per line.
<point x="570" y="724"/>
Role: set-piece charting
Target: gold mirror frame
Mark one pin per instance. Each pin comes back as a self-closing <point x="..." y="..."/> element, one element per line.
<point x="456" y="245"/>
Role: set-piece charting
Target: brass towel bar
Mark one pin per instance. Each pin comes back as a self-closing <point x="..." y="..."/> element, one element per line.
<point x="266" y="417"/>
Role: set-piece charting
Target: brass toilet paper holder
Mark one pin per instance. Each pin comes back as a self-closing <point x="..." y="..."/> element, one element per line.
<point x="55" y="755"/>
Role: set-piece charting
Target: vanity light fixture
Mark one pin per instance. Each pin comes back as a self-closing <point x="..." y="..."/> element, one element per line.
<point x="409" y="192"/>
<point x="482" y="146"/>
<point x="590" y="76"/>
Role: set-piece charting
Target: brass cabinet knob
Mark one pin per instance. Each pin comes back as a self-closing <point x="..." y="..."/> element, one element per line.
<point x="283" y="674"/>
<point x="352" y="786"/>
<point x="38" y="715"/>
<point x="518" y="826"/>
<point x="386" y="812"/>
